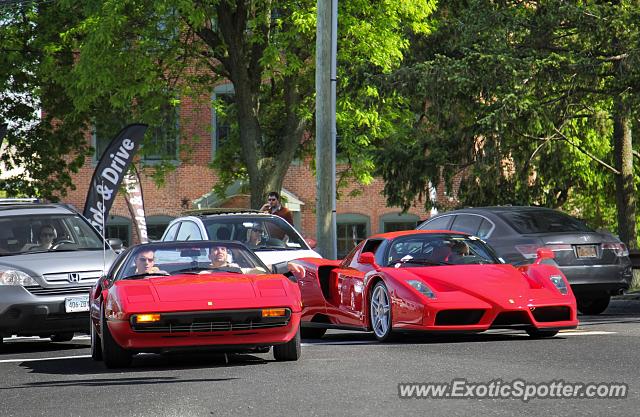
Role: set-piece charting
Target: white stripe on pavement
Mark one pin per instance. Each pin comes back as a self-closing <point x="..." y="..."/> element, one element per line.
<point x="584" y="333"/>
<point x="44" y="359"/>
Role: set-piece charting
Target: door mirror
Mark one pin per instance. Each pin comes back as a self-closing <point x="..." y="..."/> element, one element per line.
<point x="367" y="258"/>
<point x="542" y="254"/>
<point x="115" y="243"/>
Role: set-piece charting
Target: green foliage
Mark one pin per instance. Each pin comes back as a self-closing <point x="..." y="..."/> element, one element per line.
<point x="517" y="99"/>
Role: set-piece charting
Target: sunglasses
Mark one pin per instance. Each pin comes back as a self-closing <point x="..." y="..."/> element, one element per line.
<point x="273" y="199"/>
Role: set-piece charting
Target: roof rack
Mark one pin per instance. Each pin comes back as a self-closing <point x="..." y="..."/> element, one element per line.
<point x="25" y="200"/>
<point x="220" y="210"/>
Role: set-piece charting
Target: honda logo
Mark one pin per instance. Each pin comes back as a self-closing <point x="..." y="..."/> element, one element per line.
<point x="74" y="277"/>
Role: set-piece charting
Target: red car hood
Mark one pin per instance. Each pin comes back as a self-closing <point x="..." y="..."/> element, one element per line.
<point x="495" y="284"/>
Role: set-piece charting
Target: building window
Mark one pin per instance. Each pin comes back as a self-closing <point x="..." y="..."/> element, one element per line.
<point x="163" y="141"/>
<point x="394" y="222"/>
<point x="156" y="226"/>
<point x="105" y="128"/>
<point x="351" y="230"/>
<point x="222" y="99"/>
<point x="119" y="227"/>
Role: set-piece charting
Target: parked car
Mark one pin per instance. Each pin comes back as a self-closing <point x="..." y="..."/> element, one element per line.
<point x="596" y="264"/>
<point x="50" y="256"/>
<point x="278" y="241"/>
<point x="195" y="296"/>
<point x="432" y="282"/>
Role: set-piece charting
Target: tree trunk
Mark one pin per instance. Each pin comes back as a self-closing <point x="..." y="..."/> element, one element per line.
<point x="625" y="187"/>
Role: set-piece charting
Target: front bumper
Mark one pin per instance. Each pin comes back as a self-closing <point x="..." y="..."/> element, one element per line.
<point x="25" y="314"/>
<point x="145" y="341"/>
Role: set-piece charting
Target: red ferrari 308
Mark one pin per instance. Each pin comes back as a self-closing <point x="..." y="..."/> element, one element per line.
<point x="192" y="295"/>
<point x="435" y="281"/>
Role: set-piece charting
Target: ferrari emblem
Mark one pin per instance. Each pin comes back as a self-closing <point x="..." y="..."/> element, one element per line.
<point x="511" y="301"/>
<point x="209" y="303"/>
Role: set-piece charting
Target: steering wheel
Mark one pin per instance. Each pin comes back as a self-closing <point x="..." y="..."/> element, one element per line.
<point x="61" y="242"/>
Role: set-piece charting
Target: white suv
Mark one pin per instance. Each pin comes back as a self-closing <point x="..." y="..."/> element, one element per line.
<point x="278" y="242"/>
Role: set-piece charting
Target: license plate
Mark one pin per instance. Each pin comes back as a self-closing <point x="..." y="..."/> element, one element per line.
<point x="586" y="251"/>
<point x="75" y="304"/>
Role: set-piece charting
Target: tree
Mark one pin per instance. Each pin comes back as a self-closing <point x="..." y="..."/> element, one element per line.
<point x="531" y="102"/>
<point x="48" y="147"/>
<point x="179" y="48"/>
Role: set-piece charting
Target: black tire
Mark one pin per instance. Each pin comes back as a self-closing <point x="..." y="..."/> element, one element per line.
<point x="289" y="351"/>
<point x="312" y="332"/>
<point x="593" y="305"/>
<point x="541" y="334"/>
<point x="113" y="354"/>
<point x="382" y="335"/>
<point x="96" y="343"/>
<point x="62" y="337"/>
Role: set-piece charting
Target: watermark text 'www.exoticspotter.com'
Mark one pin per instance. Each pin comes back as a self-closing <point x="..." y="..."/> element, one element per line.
<point x="518" y="389"/>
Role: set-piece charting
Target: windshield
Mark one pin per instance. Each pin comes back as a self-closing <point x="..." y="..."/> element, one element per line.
<point x="42" y="233"/>
<point x="438" y="249"/>
<point x="257" y="232"/>
<point x="543" y="221"/>
<point x="192" y="257"/>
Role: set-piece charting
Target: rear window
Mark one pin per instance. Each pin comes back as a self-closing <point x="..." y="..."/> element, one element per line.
<point x="543" y="221"/>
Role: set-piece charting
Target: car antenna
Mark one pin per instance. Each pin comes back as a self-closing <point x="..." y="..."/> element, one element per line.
<point x="104" y="241"/>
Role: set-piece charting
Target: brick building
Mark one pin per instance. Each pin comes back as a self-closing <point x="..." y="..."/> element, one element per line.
<point x="190" y="184"/>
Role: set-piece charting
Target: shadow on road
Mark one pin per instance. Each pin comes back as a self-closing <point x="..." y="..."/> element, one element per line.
<point x="141" y="363"/>
<point x="42" y="346"/>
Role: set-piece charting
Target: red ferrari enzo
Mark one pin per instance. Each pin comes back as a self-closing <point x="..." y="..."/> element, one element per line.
<point x="435" y="281"/>
<point x="196" y="294"/>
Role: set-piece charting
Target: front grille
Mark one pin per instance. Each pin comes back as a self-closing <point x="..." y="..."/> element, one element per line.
<point x="85" y="277"/>
<point x="37" y="290"/>
<point x="553" y="313"/>
<point x="511" y="318"/>
<point x="206" y="322"/>
<point x="458" y="317"/>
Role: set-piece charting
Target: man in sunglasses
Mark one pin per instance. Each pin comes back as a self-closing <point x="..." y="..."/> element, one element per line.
<point x="145" y="263"/>
<point x="273" y="206"/>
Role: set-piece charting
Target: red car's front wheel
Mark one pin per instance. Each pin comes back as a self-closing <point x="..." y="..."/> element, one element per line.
<point x="289" y="351"/>
<point x="380" y="312"/>
<point x="113" y="354"/>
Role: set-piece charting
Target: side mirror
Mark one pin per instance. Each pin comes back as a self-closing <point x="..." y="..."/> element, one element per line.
<point x="115" y="243"/>
<point x="367" y="258"/>
<point x="542" y="254"/>
<point x="280" y="268"/>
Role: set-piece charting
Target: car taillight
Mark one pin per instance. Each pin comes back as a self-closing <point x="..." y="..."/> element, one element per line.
<point x="530" y="251"/>
<point x="620" y="249"/>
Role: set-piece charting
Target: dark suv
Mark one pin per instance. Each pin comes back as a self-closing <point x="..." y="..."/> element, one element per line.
<point x="50" y="256"/>
<point x="596" y="264"/>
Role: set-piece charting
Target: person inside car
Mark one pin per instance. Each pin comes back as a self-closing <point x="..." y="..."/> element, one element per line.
<point x="221" y="257"/>
<point x="459" y="251"/>
<point x="255" y="236"/>
<point x="146" y="264"/>
<point x="46" y="236"/>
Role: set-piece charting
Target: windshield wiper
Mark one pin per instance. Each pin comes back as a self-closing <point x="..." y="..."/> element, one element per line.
<point x="197" y="269"/>
<point x="419" y="261"/>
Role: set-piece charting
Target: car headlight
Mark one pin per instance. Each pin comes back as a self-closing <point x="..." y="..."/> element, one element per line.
<point x="422" y="288"/>
<point x="560" y="283"/>
<point x="15" y="277"/>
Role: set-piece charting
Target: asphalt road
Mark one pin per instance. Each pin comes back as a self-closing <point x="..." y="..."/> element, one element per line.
<point x="345" y="373"/>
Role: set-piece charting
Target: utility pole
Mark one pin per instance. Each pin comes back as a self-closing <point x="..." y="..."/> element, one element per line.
<point x="326" y="49"/>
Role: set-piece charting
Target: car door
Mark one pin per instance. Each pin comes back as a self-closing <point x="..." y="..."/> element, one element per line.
<point x="349" y="280"/>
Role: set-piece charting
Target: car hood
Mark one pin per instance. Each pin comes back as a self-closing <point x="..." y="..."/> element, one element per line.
<point x="219" y="286"/>
<point x="495" y="284"/>
<point x="271" y="257"/>
<point x="45" y="263"/>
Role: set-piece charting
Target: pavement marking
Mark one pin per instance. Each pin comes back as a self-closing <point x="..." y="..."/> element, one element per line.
<point x="345" y="342"/>
<point x="44" y="359"/>
<point x="584" y="333"/>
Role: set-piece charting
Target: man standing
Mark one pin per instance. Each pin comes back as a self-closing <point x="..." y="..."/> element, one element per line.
<point x="273" y="206"/>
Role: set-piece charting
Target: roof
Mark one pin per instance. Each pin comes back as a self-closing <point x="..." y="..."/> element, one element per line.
<point x="212" y="211"/>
